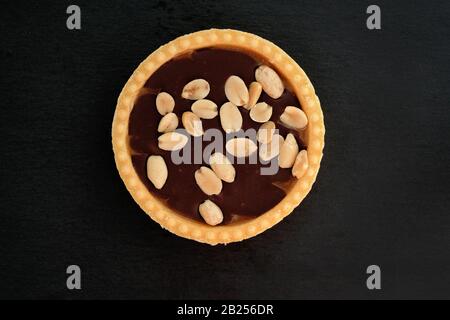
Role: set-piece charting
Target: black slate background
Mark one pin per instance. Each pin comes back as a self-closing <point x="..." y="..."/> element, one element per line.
<point x="382" y="195"/>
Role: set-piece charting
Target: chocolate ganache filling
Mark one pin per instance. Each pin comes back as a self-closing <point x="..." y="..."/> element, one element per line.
<point x="251" y="194"/>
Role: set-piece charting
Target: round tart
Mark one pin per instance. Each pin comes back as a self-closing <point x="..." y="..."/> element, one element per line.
<point x="218" y="135"/>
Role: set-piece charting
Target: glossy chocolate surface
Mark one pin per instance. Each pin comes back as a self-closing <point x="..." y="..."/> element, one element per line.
<point x="251" y="194"/>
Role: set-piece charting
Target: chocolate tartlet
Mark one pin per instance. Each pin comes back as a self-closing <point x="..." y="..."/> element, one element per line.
<point x="218" y="135"/>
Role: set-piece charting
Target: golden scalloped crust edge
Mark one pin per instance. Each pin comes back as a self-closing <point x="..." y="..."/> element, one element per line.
<point x="169" y="219"/>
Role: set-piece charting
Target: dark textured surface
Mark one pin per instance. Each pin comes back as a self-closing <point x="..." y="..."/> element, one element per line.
<point x="382" y="195"/>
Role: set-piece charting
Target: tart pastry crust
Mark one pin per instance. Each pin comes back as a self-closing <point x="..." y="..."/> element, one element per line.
<point x="300" y="86"/>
